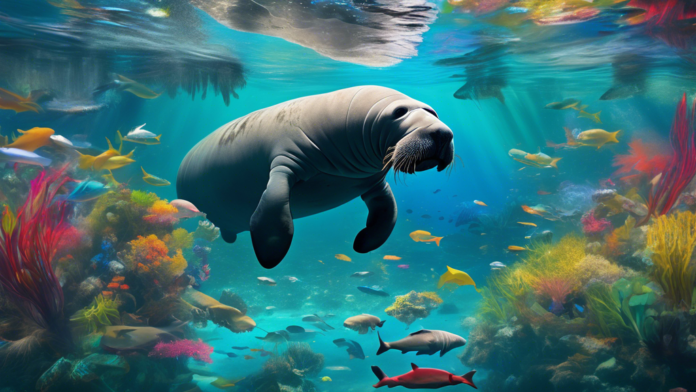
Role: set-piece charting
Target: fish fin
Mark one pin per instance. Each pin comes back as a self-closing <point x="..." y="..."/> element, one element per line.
<point x="20" y="131"/>
<point x="120" y="137"/>
<point x="554" y="162"/>
<point x="420" y="332"/>
<point x="144" y="172"/>
<point x="379" y="373"/>
<point x="469" y="379"/>
<point x="295" y="329"/>
<point x="122" y="332"/>
<point x="383" y="347"/>
<point x="381" y="323"/>
<point x="158" y="137"/>
<point x="427" y="352"/>
<point x="613" y="136"/>
<point x="130" y="154"/>
<point x="437" y="240"/>
<point x="414" y="366"/>
<point x="125" y="79"/>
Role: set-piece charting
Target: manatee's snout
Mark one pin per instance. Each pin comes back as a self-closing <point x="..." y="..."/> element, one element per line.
<point x="424" y="149"/>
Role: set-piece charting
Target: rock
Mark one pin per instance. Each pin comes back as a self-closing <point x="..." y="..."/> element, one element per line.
<point x="90" y="287"/>
<point x="649" y="374"/>
<point x="591" y="383"/>
<point x="690" y="349"/>
<point x="55" y="375"/>
<point x="612" y="371"/>
<point x="599" y="349"/>
<point x="93" y="366"/>
<point x="116" y="268"/>
<point x="469" y="322"/>
<point x="566" y="380"/>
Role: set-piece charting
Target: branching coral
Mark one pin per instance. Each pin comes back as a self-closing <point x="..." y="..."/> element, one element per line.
<point x="206" y="231"/>
<point x="672" y="240"/>
<point x="555" y="288"/>
<point x="101" y="313"/>
<point x="148" y="255"/>
<point x="413" y="306"/>
<point x="27" y="246"/>
<point x="681" y="167"/>
<point x="183" y="348"/>
<point x="303" y="361"/>
<point x="593" y="226"/>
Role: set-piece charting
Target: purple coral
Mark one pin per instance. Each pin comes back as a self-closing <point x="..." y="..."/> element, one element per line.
<point x="183" y="348"/>
<point x="592" y="225"/>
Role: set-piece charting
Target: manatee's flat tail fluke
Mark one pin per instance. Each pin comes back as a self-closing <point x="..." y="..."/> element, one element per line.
<point x="383" y="347"/>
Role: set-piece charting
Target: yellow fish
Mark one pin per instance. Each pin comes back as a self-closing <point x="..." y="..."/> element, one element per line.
<point x="480" y="203"/>
<point x="528" y="223"/>
<point x="532" y="211"/>
<point x="515" y="248"/>
<point x="223" y="383"/>
<point x="154" y="180"/>
<point x="592" y="116"/>
<point x="137" y="89"/>
<point x="12" y="101"/>
<point x="32" y="139"/>
<point x="146" y="139"/>
<point x="458" y="277"/>
<point x="326" y="379"/>
<point x="116" y="162"/>
<point x="597" y="138"/>
<point x="424" y="236"/>
<point x="539" y="159"/>
<point x="321" y="261"/>
<point x="343" y="257"/>
<point x="110" y="179"/>
<point x="86" y="162"/>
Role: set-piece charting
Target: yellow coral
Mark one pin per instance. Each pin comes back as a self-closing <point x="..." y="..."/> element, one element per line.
<point x="412" y="306"/>
<point x="162" y="207"/>
<point x="594" y="267"/>
<point x="149" y="255"/>
<point x="179" y="239"/>
<point x="672" y="240"/>
<point x="553" y="260"/>
<point x="432" y="297"/>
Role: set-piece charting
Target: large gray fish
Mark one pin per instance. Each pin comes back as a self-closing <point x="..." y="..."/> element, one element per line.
<point x="317" y="322"/>
<point x="425" y="342"/>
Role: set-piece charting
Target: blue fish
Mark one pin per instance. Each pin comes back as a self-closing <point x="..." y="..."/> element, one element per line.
<point x="86" y="191"/>
<point x="374" y="290"/>
<point x="579" y="308"/>
<point x="15" y="155"/>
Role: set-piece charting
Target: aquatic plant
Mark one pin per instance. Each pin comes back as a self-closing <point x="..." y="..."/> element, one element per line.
<point x="647" y="158"/>
<point x="634" y="299"/>
<point x="149" y="255"/>
<point x="197" y="350"/>
<point x="303" y="361"/>
<point x="413" y="306"/>
<point x="103" y="312"/>
<point x="143" y="199"/>
<point x="179" y="239"/>
<point x="28" y="243"/>
<point x="605" y="312"/>
<point x="492" y="308"/>
<point x="681" y="167"/>
<point x="555" y="288"/>
<point x="552" y="260"/>
<point x="672" y="240"/>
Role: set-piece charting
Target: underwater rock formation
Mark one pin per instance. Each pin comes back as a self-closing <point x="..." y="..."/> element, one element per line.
<point x="413" y="306"/>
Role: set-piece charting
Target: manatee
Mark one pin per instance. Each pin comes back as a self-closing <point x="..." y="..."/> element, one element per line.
<point x="362" y="323"/>
<point x="309" y="155"/>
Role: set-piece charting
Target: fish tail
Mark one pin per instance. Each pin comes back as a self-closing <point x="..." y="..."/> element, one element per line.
<point x="554" y="162"/>
<point x="443" y="279"/>
<point x="119" y="136"/>
<point x="383" y="347"/>
<point x="596" y="117"/>
<point x="469" y="379"/>
<point x="380" y="375"/>
<point x="144" y="172"/>
<point x="158" y="137"/>
<point x="437" y="240"/>
<point x="614" y="137"/>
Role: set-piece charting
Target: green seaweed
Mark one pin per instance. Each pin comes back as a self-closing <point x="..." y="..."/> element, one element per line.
<point x="143" y="199"/>
<point x="98" y="315"/>
<point x="606" y="312"/>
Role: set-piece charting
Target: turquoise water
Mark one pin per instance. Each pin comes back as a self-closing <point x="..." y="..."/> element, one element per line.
<point x="71" y="49"/>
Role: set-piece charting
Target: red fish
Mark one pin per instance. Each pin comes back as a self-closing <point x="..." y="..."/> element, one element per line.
<point x="424" y="378"/>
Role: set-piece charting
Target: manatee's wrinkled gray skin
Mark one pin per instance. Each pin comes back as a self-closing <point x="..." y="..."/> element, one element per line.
<point x="363" y="323"/>
<point x="310" y="155"/>
<point x="425" y="342"/>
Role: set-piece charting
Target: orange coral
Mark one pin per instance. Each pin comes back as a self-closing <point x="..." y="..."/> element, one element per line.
<point x="162" y="207"/>
<point x="148" y="255"/>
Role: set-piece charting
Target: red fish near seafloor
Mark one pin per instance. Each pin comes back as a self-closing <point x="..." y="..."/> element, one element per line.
<point x="424" y="378"/>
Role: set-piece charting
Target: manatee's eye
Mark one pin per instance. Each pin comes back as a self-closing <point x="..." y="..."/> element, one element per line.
<point x="431" y="111"/>
<point x="400" y="112"/>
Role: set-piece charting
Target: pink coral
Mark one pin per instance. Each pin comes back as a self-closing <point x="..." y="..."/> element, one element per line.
<point x="592" y="225"/>
<point x="183" y="348"/>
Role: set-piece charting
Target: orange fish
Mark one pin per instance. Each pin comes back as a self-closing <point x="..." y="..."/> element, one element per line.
<point x="515" y="248"/>
<point x="528" y="224"/>
<point x="107" y="294"/>
<point x="113" y="285"/>
<point x="12" y="101"/>
<point x="531" y="210"/>
<point x="343" y="257"/>
<point x="118" y="278"/>
<point x="248" y="357"/>
<point x="125" y="287"/>
<point x="424" y="236"/>
<point x="256" y="350"/>
<point x="32" y="139"/>
<point x="480" y="203"/>
<point x="388" y="257"/>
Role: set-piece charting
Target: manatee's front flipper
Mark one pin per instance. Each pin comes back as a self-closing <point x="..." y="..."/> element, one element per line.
<point x="380" y="220"/>
<point x="271" y="224"/>
<point x="228" y="236"/>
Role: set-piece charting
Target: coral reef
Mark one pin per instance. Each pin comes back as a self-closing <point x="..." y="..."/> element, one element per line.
<point x="413" y="306"/>
<point x="101" y="313"/>
<point x="183" y="348"/>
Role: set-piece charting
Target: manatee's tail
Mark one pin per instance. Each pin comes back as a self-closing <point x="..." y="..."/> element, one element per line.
<point x="469" y="379"/>
<point x="380" y="374"/>
<point x="383" y="347"/>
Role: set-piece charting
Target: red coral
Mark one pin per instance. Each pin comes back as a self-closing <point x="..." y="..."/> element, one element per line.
<point x="555" y="288"/>
<point x="647" y="158"/>
<point x="592" y="225"/>
<point x="682" y="166"/>
<point x="183" y="348"/>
